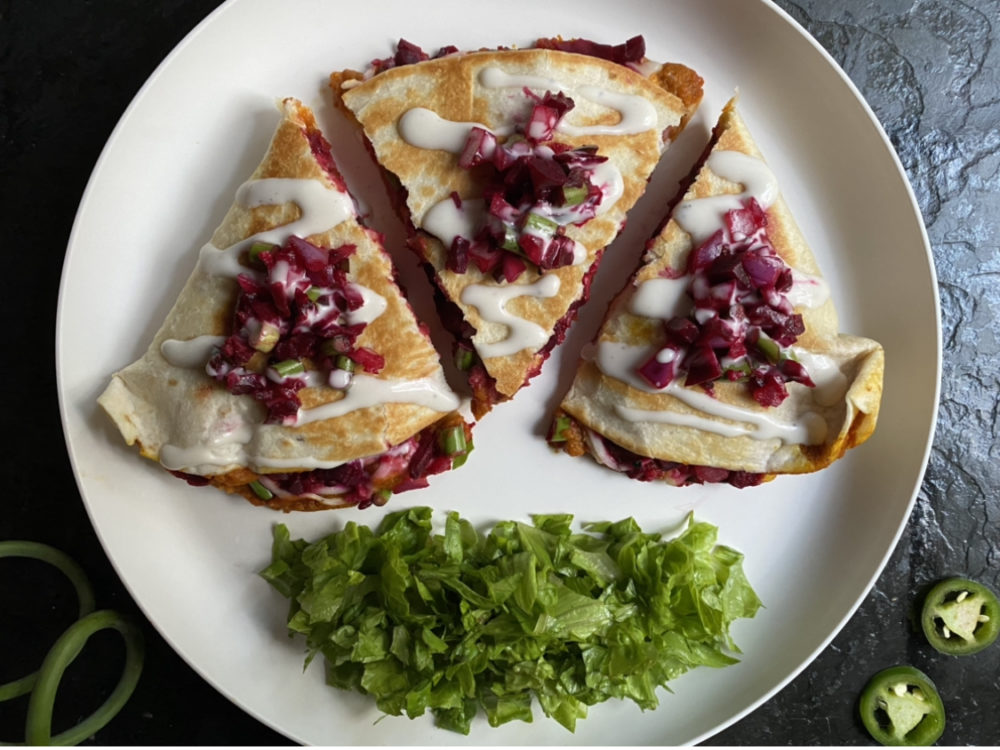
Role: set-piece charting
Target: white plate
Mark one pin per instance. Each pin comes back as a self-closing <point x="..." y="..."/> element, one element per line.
<point x="813" y="544"/>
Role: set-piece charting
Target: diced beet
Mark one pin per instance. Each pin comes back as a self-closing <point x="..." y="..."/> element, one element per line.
<point x="763" y="270"/>
<point x="408" y="53"/>
<point x="681" y="331"/>
<point x="796" y="372"/>
<point x="303" y="301"/>
<point x="767" y="387"/>
<point x="458" y="258"/>
<point x="702" y="366"/>
<point x="368" y="359"/>
<point x="512" y="267"/>
<point x="528" y="176"/>
<point x="659" y="374"/>
<point x="706" y="252"/>
<point x="479" y="147"/>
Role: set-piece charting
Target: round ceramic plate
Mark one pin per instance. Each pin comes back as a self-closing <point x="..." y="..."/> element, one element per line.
<point x="813" y="544"/>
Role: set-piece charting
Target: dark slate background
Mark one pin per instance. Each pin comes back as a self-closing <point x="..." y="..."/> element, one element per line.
<point x="931" y="71"/>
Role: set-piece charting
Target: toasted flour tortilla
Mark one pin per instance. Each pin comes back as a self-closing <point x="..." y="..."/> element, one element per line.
<point x="177" y="414"/>
<point x="730" y="431"/>
<point x="459" y="89"/>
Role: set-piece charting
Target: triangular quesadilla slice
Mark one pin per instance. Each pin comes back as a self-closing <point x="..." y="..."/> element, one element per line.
<point x="513" y="169"/>
<point x="722" y="360"/>
<point x="291" y="370"/>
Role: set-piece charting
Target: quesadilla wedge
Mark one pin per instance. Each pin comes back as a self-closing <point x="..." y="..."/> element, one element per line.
<point x="290" y="369"/>
<point x="513" y="169"/>
<point x="722" y="360"/>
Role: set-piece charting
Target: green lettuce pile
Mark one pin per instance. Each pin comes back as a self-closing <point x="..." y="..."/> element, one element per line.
<point x="459" y="621"/>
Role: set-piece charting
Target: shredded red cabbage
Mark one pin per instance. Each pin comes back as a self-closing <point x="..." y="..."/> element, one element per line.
<point x="408" y="53"/>
<point x="370" y="481"/>
<point x="742" y="321"/>
<point x="647" y="469"/>
<point x="630" y="52"/>
<point x="293" y="313"/>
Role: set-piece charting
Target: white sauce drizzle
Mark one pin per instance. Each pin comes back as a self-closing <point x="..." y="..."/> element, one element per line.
<point x="366" y="391"/>
<point x="807" y="290"/>
<point x="373" y="305"/>
<point x="191" y="353"/>
<point x="702" y="217"/>
<point x="831" y="382"/>
<point x="621" y="361"/>
<point x="425" y="128"/>
<point x="223" y="448"/>
<point x="322" y="208"/>
<point x="661" y="298"/>
<point x="446" y="221"/>
<point x="810" y="429"/>
<point x="637" y="114"/>
<point x="491" y="301"/>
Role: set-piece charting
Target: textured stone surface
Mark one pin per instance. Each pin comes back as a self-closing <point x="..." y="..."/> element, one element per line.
<point x="931" y="72"/>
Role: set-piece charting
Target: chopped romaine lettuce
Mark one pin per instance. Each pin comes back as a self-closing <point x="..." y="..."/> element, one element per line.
<point x="455" y="622"/>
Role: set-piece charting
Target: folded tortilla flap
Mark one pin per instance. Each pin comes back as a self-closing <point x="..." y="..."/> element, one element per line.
<point x="415" y="118"/>
<point x="178" y="414"/>
<point x="726" y="434"/>
<point x="723" y="426"/>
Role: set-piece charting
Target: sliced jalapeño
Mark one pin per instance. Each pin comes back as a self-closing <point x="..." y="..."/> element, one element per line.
<point x="960" y="616"/>
<point x="901" y="706"/>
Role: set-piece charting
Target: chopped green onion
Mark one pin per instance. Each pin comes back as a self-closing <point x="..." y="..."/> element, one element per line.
<point x="343" y="362"/>
<point x="540" y="223"/>
<point x="510" y="238"/>
<point x="464" y="358"/>
<point x="769" y="347"/>
<point x="289" y="367"/>
<point x="260" y="490"/>
<point x="562" y="424"/>
<point x="743" y="367"/>
<point x="266" y="338"/>
<point x="452" y="440"/>
<point x="574" y="195"/>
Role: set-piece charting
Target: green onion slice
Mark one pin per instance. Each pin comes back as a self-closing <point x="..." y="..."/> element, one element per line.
<point x="68" y="567"/>
<point x="260" y="490"/>
<point x="540" y="223"/>
<point x="44" y="683"/>
<point x="559" y="428"/>
<point x="574" y="195"/>
<point x="452" y="440"/>
<point x="289" y="367"/>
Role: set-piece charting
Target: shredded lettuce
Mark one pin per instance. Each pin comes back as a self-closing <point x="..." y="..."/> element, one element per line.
<point x="455" y="622"/>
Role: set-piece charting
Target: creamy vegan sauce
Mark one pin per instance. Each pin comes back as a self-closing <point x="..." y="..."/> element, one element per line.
<point x="491" y="302"/>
